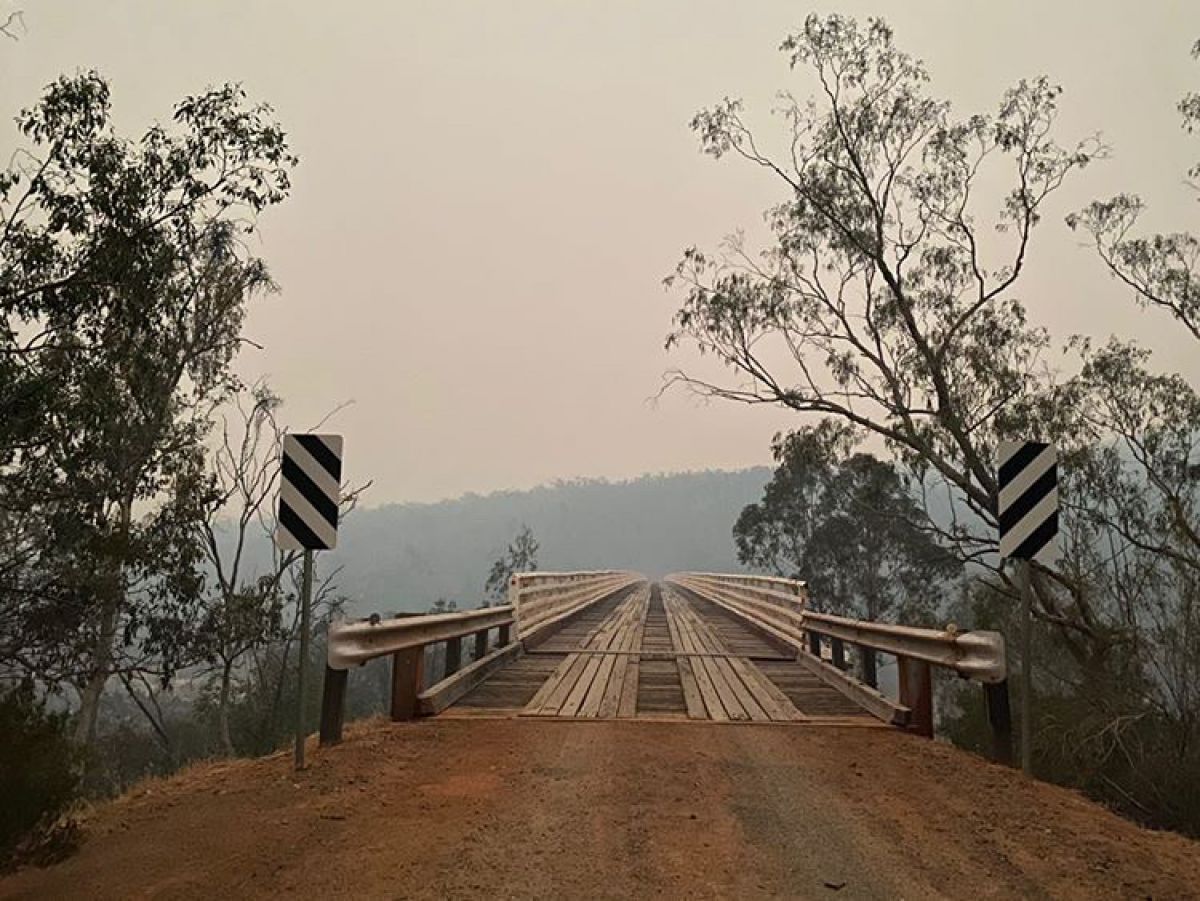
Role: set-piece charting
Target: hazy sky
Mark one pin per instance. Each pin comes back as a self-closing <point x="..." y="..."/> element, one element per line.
<point x="490" y="194"/>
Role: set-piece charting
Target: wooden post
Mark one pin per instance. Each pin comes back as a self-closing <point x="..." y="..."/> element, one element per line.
<point x="333" y="705"/>
<point x="481" y="644"/>
<point x="408" y="671"/>
<point x="916" y="693"/>
<point x="869" y="671"/>
<point x="814" y="644"/>
<point x="503" y="639"/>
<point x="453" y="656"/>
<point x="838" y="647"/>
<point x="999" y="715"/>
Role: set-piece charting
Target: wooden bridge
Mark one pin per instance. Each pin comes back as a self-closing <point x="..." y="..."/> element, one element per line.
<point x="694" y="647"/>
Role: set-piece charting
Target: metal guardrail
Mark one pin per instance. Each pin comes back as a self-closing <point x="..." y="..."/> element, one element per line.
<point x="354" y="643"/>
<point x="779" y="608"/>
<point x="538" y="601"/>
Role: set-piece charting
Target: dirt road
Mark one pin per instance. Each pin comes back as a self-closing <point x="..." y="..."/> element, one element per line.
<point x="522" y="809"/>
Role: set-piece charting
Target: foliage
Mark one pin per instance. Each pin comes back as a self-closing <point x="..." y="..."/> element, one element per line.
<point x="847" y="524"/>
<point x="123" y="281"/>
<point x="1162" y="270"/>
<point x="883" y="294"/>
<point x="39" y="766"/>
<point x="520" y="557"/>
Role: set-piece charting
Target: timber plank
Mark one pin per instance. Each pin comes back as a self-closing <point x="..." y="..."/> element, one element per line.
<point x="728" y="667"/>
<point x="627" y="702"/>
<point x="683" y="642"/>
<point x="716" y="673"/>
<point x="611" y="702"/>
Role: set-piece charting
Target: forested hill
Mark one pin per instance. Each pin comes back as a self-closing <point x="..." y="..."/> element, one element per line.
<point x="406" y="556"/>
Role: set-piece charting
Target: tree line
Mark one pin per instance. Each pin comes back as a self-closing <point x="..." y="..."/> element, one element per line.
<point x="885" y="307"/>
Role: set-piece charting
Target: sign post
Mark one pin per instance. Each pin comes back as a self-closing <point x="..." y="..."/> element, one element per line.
<point x="308" y="519"/>
<point x="1028" y="512"/>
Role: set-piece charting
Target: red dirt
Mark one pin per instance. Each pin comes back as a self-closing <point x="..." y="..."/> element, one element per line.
<point x="515" y="808"/>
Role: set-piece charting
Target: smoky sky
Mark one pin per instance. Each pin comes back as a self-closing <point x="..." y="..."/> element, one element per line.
<point x="490" y="194"/>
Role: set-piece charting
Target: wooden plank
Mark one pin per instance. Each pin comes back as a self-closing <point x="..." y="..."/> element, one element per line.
<point x="610" y="704"/>
<point x="549" y="699"/>
<point x="446" y="692"/>
<point x="691" y="691"/>
<point x="617" y="637"/>
<point x="556" y="688"/>
<point x="627" y="705"/>
<point x="683" y="642"/>
<point x="768" y="698"/>
<point x="575" y="698"/>
<point x="724" y="681"/>
<point x="866" y="697"/>
<point x="599" y="687"/>
<point x="601" y="639"/>
<point x="732" y="669"/>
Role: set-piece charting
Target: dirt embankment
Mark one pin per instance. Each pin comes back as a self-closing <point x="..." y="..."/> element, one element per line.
<point x="517" y="809"/>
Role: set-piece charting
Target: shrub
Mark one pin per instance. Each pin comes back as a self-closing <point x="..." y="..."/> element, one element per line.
<point x="39" y="773"/>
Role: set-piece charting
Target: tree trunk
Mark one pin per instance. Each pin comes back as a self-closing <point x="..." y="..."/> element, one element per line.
<point x="111" y="598"/>
<point x="89" y="698"/>
<point x="223" y="709"/>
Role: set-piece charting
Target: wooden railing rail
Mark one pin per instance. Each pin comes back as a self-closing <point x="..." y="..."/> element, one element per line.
<point x="541" y="599"/>
<point x="976" y="655"/>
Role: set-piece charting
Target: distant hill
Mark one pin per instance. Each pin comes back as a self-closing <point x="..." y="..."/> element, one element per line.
<point x="406" y="556"/>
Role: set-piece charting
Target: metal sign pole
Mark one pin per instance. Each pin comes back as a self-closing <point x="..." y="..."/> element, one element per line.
<point x="305" y="628"/>
<point x="1026" y="667"/>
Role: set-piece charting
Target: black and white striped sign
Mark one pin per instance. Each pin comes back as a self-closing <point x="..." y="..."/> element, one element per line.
<point x="1028" y="501"/>
<point x="310" y="492"/>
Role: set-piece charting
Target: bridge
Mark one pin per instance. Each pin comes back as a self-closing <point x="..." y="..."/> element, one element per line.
<point x="604" y="736"/>
<point x="693" y="647"/>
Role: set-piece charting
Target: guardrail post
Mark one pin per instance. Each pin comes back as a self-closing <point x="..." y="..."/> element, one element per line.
<point x="838" y="649"/>
<point x="503" y="639"/>
<point x="453" y="656"/>
<point x="869" y="671"/>
<point x="814" y="644"/>
<point x="916" y="693"/>
<point x="481" y="644"/>
<point x="333" y="705"/>
<point x="999" y="715"/>
<point x="408" y="671"/>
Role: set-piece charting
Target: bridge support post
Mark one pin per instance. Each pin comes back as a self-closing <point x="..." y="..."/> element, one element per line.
<point x="869" y="671"/>
<point x="504" y="639"/>
<point x="838" y="650"/>
<point x="814" y="644"/>
<point x="333" y="705"/>
<point x="481" y="644"/>
<point x="453" y="656"/>
<point x="916" y="693"/>
<point x="999" y="715"/>
<point x="408" y="671"/>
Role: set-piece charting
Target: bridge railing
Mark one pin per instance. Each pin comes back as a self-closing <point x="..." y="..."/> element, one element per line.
<point x="540" y="599"/>
<point x="537" y="601"/>
<point x="778" y="608"/>
<point x="405" y="638"/>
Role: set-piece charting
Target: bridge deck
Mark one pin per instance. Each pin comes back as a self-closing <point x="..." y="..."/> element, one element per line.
<point x="655" y="653"/>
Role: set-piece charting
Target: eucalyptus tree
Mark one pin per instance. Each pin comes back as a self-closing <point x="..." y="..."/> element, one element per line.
<point x="887" y="297"/>
<point x="124" y="275"/>
<point x="520" y="556"/>
<point x="1162" y="271"/>
<point x="849" y="524"/>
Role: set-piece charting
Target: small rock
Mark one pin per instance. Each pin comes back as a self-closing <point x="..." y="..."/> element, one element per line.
<point x="835" y="886"/>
